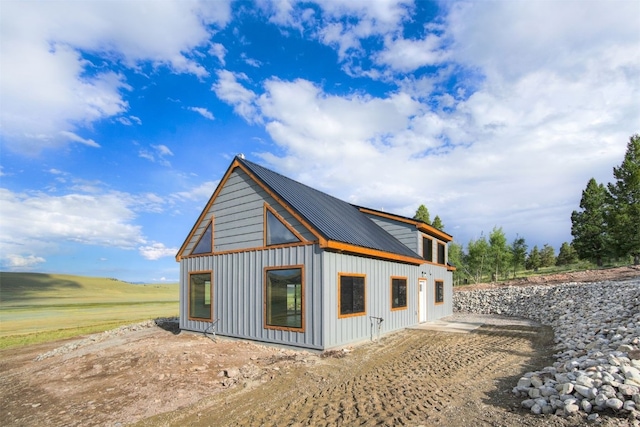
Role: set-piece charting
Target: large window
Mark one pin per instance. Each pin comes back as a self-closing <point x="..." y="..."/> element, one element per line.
<point x="200" y="296"/>
<point x="204" y="245"/>
<point x="284" y="298"/>
<point x="439" y="291"/>
<point x="398" y="293"/>
<point x="440" y="253"/>
<point x="351" y="291"/>
<point x="427" y="249"/>
<point x="277" y="233"/>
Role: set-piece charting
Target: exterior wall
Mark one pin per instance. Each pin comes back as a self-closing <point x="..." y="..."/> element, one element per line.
<point x="435" y="273"/>
<point x="405" y="233"/>
<point x="238" y="213"/>
<point x="238" y="294"/>
<point x="346" y="330"/>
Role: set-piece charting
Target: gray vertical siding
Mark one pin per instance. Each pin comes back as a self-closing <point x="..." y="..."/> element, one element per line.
<point x="341" y="331"/>
<point x="405" y="233"/>
<point x="432" y="273"/>
<point x="238" y="294"/>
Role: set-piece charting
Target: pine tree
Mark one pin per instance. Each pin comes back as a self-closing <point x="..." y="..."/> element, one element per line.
<point x="547" y="256"/>
<point x="533" y="260"/>
<point x="623" y="215"/>
<point x="588" y="227"/>
<point x="518" y="251"/>
<point x="567" y="254"/>
<point x="437" y="223"/>
<point x="422" y="214"/>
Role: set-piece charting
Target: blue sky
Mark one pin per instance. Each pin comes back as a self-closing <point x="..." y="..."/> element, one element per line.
<point x="117" y="119"/>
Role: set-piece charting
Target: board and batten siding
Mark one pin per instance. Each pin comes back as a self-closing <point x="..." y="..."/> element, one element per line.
<point x="435" y="273"/>
<point x="378" y="273"/>
<point x="238" y="294"/>
<point x="405" y="233"/>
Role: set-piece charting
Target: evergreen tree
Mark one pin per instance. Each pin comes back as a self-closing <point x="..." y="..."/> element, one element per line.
<point x="457" y="259"/>
<point x="547" y="256"/>
<point x="498" y="252"/>
<point x="588" y="227"/>
<point x="567" y="255"/>
<point x="422" y="214"/>
<point x="437" y="223"/>
<point x="477" y="252"/>
<point x="533" y="260"/>
<point x="518" y="251"/>
<point x="623" y="216"/>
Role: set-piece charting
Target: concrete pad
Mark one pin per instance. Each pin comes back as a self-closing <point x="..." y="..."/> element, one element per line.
<point x="448" y="326"/>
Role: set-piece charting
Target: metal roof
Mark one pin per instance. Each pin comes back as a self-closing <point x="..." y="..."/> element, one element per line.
<point x="335" y="219"/>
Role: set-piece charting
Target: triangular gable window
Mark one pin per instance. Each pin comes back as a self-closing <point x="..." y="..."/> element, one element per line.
<point x="277" y="232"/>
<point x="204" y="245"/>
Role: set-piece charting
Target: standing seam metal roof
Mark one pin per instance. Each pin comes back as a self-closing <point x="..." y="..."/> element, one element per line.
<point x="335" y="219"/>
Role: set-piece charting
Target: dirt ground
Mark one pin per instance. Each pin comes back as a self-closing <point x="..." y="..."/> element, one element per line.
<point x="157" y="377"/>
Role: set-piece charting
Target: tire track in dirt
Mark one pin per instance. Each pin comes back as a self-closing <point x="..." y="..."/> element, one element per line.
<point x="408" y="378"/>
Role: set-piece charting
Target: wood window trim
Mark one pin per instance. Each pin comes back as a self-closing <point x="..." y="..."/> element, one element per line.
<point x="431" y="239"/>
<point x="435" y="292"/>
<point x="199" y="319"/>
<point x="362" y="313"/>
<point x="268" y="208"/>
<point x="210" y="224"/>
<point x="406" y="284"/>
<point x="444" y="253"/>
<point x="302" y="296"/>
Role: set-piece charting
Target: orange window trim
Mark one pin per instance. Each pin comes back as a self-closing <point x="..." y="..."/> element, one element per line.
<point x="268" y="208"/>
<point x="435" y="294"/>
<point x="302" y="314"/>
<point x="406" y="280"/>
<point x="199" y="319"/>
<point x="362" y="313"/>
<point x="200" y="238"/>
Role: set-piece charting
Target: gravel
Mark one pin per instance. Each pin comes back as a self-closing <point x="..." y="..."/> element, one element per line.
<point x="597" y="335"/>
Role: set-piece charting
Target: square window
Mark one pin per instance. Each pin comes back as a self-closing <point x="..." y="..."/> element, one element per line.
<point x="351" y="295"/>
<point x="284" y="298"/>
<point x="200" y="296"/>
<point x="398" y="293"/>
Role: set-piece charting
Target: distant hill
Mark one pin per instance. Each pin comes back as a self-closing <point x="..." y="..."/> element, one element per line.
<point x="19" y="289"/>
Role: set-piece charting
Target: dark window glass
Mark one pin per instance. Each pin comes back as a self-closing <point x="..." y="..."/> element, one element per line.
<point x="204" y="245"/>
<point x="439" y="292"/>
<point x="284" y="298"/>
<point x="200" y="296"/>
<point x="351" y="295"/>
<point x="277" y="233"/>
<point x="427" y="249"/>
<point x="440" y="253"/>
<point x="398" y="293"/>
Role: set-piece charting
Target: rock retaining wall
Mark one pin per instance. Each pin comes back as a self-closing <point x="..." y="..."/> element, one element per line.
<point x="597" y="335"/>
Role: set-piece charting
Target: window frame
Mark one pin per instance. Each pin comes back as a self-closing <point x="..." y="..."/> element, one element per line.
<point x="438" y="284"/>
<point x="193" y="251"/>
<point x="406" y="293"/>
<point x="430" y="246"/>
<point x="364" y="287"/>
<point x="441" y="246"/>
<point x="268" y="209"/>
<point x="266" y="325"/>
<point x="189" y="287"/>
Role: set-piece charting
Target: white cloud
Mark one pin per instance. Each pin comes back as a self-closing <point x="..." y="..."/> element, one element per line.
<point x="408" y="55"/>
<point x="203" y="112"/>
<point x="229" y="90"/>
<point x="155" y="251"/>
<point x="39" y="220"/>
<point x="49" y="90"/>
<point x="218" y="51"/>
<point x="157" y="154"/>
<point x="197" y="194"/>
<point x="21" y="263"/>
<point x="76" y="138"/>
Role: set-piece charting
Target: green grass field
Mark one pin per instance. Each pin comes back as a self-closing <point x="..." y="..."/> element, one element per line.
<point x="44" y="307"/>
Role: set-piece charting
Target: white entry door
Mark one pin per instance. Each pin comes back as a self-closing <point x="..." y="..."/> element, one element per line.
<point x="422" y="300"/>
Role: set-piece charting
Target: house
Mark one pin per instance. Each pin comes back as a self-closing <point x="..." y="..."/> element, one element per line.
<point x="276" y="261"/>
